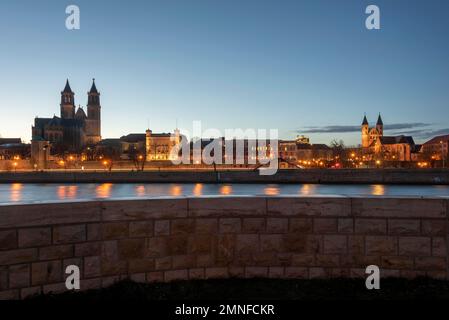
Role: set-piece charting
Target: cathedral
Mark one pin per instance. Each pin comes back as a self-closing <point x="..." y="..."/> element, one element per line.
<point x="73" y="129"/>
<point x="391" y="148"/>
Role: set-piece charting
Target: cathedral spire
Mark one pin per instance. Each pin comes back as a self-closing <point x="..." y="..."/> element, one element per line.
<point x="67" y="88"/>
<point x="93" y="89"/>
<point x="93" y="95"/>
<point x="379" y="121"/>
<point x="67" y="102"/>
<point x="365" y="121"/>
<point x="93" y="133"/>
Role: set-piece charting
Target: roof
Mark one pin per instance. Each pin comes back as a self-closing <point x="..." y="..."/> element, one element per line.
<point x="161" y="135"/>
<point x="93" y="89"/>
<point x="379" y="121"/>
<point x="303" y="146"/>
<point x="417" y="148"/>
<point x="397" y="139"/>
<point x="67" y="88"/>
<point x="37" y="138"/>
<point x="437" y="139"/>
<point x="41" y="122"/>
<point x="134" y="137"/>
<point x="10" y="141"/>
<point x="320" y="146"/>
<point x="80" y="114"/>
<point x="365" y="121"/>
<point x="13" y="145"/>
<point x="108" y="142"/>
<point x="56" y="121"/>
<point x="287" y="142"/>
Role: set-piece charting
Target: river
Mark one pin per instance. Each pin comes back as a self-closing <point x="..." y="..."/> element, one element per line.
<point x="16" y="193"/>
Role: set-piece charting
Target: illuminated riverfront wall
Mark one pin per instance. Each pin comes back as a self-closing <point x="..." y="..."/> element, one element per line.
<point x="197" y="238"/>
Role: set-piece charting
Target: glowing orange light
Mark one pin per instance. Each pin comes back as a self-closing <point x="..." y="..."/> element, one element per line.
<point x="271" y="191"/>
<point x="104" y="190"/>
<point x="198" y="189"/>
<point x="16" y="192"/>
<point x="226" y="190"/>
<point x="140" y="190"/>
<point x="176" y="190"/>
<point x="378" y="190"/>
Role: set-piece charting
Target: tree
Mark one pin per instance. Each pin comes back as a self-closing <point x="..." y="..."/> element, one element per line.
<point x="137" y="157"/>
<point x="59" y="149"/>
<point x="338" y="149"/>
<point x="109" y="155"/>
<point x="89" y="151"/>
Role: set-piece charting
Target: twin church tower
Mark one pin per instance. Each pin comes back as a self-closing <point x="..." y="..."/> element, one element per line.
<point x="73" y="129"/>
<point x="370" y="135"/>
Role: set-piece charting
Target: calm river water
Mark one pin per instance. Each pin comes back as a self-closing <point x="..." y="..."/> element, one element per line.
<point x="28" y="193"/>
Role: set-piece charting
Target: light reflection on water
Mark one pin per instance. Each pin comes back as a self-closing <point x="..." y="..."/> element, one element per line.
<point x="176" y="190"/>
<point x="307" y="189"/>
<point x="271" y="190"/>
<point x="226" y="190"/>
<point x="16" y="192"/>
<point x="67" y="192"/>
<point x="378" y="190"/>
<point x="104" y="190"/>
<point x="198" y="189"/>
<point x="21" y="193"/>
<point x="140" y="191"/>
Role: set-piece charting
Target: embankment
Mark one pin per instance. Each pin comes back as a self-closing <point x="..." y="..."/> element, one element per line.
<point x="195" y="238"/>
<point x="348" y="176"/>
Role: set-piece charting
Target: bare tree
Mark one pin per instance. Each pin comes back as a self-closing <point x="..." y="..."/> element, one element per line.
<point x="110" y="154"/>
<point x="338" y="149"/>
<point x="137" y="157"/>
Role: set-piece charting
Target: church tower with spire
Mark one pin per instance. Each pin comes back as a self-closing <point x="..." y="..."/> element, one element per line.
<point x="93" y="121"/>
<point x="67" y="102"/>
<point x="365" y="133"/>
<point x="380" y="126"/>
<point x="371" y="135"/>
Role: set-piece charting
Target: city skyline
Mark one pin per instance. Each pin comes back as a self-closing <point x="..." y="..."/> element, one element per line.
<point x="306" y="67"/>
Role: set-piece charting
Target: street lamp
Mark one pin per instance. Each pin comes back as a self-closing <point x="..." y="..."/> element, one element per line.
<point x="378" y="163"/>
<point x="442" y="153"/>
<point x="15" y="166"/>
<point x="62" y="163"/>
<point x="45" y="155"/>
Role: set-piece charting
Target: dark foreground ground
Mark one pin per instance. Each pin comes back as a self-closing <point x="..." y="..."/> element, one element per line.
<point x="263" y="289"/>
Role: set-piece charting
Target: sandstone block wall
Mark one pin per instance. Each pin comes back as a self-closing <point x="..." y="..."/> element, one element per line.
<point x="199" y="238"/>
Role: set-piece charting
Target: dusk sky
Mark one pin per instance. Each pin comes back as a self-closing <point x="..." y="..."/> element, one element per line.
<point x="303" y="67"/>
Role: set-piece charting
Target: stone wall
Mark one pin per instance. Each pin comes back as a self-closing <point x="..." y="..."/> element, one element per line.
<point x="196" y="238"/>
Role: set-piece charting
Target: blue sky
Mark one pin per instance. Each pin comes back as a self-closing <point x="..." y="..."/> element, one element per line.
<point x="300" y="66"/>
